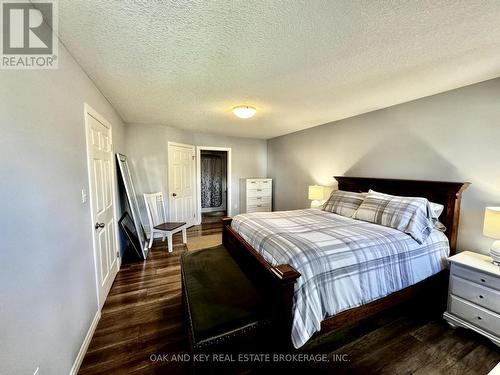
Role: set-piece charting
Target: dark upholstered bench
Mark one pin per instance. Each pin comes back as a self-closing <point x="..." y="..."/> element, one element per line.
<point x="224" y="309"/>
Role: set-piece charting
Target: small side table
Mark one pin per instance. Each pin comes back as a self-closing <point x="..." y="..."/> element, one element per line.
<point x="474" y="295"/>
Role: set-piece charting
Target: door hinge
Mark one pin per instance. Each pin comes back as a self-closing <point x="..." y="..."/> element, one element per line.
<point x="193" y="157"/>
<point x="117" y="254"/>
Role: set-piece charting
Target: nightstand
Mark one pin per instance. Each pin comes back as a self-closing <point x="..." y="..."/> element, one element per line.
<point x="474" y="295"/>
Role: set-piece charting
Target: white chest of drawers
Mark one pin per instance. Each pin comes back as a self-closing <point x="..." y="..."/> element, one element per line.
<point x="474" y="295"/>
<point x="256" y="195"/>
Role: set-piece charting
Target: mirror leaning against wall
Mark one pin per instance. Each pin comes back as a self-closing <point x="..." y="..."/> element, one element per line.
<point x="133" y="206"/>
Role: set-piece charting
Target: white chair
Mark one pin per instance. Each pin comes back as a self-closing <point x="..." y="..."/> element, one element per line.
<point x="157" y="220"/>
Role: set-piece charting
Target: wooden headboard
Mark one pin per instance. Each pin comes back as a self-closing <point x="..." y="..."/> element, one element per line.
<point x="448" y="194"/>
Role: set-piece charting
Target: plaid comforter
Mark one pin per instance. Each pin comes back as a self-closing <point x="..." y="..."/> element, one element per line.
<point x="344" y="262"/>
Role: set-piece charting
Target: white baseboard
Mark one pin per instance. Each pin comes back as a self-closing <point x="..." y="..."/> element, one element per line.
<point x="85" y="345"/>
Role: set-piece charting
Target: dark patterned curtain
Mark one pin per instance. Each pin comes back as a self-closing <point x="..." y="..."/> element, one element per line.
<point x="211" y="181"/>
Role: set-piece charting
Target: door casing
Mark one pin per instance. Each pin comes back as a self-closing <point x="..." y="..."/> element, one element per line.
<point x="223" y="206"/>
<point x="198" y="179"/>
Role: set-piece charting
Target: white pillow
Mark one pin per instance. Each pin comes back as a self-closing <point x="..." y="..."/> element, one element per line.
<point x="436" y="209"/>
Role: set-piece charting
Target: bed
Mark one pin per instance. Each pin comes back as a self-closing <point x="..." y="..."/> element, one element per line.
<point x="321" y="270"/>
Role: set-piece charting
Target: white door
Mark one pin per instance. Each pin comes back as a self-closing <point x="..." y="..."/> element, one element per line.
<point x="101" y="193"/>
<point x="181" y="177"/>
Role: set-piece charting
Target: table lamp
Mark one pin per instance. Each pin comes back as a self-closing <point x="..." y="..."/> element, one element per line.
<point x="318" y="195"/>
<point x="492" y="229"/>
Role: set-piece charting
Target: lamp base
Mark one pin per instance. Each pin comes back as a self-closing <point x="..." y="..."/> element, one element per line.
<point x="495" y="252"/>
<point x="319" y="204"/>
<point x="495" y="246"/>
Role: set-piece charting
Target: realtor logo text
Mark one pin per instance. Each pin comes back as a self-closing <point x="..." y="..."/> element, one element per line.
<point x="29" y="30"/>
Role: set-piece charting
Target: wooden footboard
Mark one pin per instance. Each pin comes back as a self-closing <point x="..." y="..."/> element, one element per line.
<point x="275" y="283"/>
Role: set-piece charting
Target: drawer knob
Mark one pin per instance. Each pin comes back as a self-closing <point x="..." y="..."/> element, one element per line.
<point x="479" y="318"/>
<point x="483" y="280"/>
<point x="480" y="296"/>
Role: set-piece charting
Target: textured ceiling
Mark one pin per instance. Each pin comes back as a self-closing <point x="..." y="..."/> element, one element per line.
<point x="301" y="63"/>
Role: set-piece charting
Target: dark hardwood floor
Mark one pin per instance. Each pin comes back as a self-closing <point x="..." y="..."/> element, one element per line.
<point x="142" y="325"/>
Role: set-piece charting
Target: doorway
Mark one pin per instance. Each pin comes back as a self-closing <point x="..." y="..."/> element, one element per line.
<point x="214" y="181"/>
<point x="102" y="201"/>
<point x="181" y="183"/>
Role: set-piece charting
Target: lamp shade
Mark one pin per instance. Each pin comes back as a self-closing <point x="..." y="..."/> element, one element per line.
<point x="319" y="193"/>
<point x="492" y="222"/>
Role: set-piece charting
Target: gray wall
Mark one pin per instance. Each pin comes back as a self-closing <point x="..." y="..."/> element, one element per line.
<point x="147" y="150"/>
<point x="48" y="290"/>
<point x="453" y="136"/>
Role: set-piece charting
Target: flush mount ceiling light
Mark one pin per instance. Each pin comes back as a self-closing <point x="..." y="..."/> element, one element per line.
<point x="244" y="111"/>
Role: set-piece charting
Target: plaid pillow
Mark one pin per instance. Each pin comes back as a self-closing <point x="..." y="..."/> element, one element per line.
<point x="410" y="215"/>
<point x="344" y="203"/>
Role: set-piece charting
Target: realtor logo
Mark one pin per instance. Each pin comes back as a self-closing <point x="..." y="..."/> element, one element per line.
<point x="29" y="30"/>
